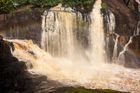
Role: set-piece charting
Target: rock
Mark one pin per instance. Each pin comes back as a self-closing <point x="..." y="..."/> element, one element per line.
<point x="14" y="77"/>
<point x="12" y="72"/>
<point x="125" y="17"/>
<point x="1" y="38"/>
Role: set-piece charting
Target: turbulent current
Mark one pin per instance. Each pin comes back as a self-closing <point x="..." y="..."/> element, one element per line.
<point x="63" y="56"/>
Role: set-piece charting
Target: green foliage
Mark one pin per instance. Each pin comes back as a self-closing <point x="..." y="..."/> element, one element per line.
<point x="10" y="5"/>
<point x="81" y="5"/>
<point x="83" y="90"/>
<point x="75" y="2"/>
<point x="6" y="6"/>
<point x="44" y="3"/>
<point x="28" y="10"/>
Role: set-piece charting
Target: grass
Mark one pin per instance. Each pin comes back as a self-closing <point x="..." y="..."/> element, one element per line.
<point x="83" y="90"/>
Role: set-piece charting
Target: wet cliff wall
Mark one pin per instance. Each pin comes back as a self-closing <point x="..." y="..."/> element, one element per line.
<point x="23" y="24"/>
<point x="26" y="24"/>
<point x="127" y="19"/>
<point x="12" y="72"/>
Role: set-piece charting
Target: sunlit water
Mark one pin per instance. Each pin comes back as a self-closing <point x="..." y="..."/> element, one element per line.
<point x="97" y="35"/>
<point x="78" y="72"/>
<point x="60" y="59"/>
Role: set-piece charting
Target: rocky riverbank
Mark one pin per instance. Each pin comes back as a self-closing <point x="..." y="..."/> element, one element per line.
<point x="14" y="77"/>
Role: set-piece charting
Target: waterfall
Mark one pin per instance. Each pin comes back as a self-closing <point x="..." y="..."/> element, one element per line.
<point x="67" y="72"/>
<point x="121" y="57"/>
<point x="110" y="21"/>
<point x="109" y="27"/>
<point x="115" y="50"/>
<point x="58" y="36"/>
<point x="97" y="34"/>
<point x="60" y="41"/>
<point x="137" y="31"/>
<point x="138" y="1"/>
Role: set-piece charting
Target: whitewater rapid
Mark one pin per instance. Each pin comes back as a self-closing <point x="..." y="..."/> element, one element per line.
<point x="63" y="59"/>
<point x="67" y="72"/>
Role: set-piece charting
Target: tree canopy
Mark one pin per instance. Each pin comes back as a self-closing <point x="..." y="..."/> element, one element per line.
<point x="10" y="5"/>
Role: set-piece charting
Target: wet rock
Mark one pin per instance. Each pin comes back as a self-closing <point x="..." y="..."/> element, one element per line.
<point x="14" y="77"/>
<point x="1" y="38"/>
<point x="22" y="25"/>
<point x="12" y="72"/>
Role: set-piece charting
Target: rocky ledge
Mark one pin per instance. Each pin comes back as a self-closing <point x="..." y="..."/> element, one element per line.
<point x="14" y="77"/>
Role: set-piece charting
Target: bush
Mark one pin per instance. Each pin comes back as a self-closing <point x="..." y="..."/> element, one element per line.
<point x="7" y="6"/>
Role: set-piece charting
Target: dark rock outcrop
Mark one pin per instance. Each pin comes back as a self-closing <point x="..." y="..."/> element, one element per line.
<point x="126" y="18"/>
<point x="13" y="75"/>
<point x="25" y="24"/>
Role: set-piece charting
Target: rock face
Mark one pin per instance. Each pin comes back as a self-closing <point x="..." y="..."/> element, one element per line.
<point x="127" y="22"/>
<point x="126" y="18"/>
<point x="22" y="25"/>
<point x="14" y="77"/>
<point x="11" y="71"/>
<point x="27" y="24"/>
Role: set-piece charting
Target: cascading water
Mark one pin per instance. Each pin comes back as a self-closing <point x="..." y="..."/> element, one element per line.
<point x="59" y="39"/>
<point x="137" y="31"/>
<point x="110" y="21"/>
<point x="121" y="57"/>
<point x="97" y="34"/>
<point x="115" y="50"/>
<point x="76" y="73"/>
<point x="109" y="29"/>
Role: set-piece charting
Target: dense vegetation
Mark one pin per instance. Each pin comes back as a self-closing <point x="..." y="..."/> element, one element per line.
<point x="7" y="6"/>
